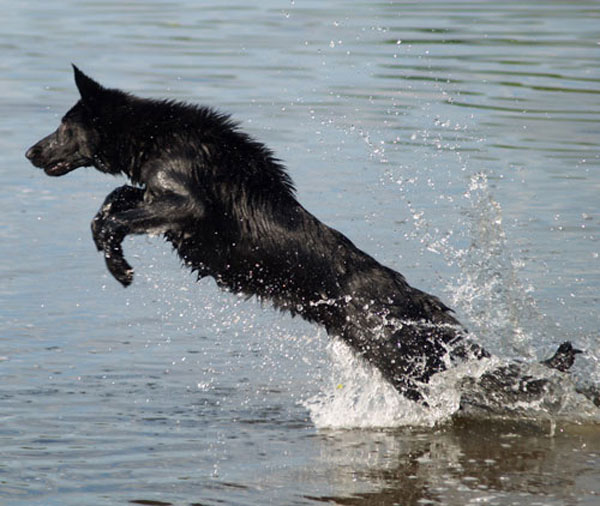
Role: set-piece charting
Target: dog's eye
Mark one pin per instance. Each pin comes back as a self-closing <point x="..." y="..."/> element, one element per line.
<point x="66" y="131"/>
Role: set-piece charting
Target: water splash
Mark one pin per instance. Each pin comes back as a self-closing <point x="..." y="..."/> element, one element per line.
<point x="502" y="311"/>
<point x="488" y="289"/>
<point x="356" y="396"/>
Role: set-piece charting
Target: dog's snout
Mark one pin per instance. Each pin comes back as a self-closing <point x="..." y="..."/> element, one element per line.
<point x="31" y="153"/>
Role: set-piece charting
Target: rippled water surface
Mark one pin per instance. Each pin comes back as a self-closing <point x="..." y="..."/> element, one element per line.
<point x="458" y="142"/>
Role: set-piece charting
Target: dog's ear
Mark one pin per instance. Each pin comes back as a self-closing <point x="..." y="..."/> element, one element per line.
<point x="89" y="89"/>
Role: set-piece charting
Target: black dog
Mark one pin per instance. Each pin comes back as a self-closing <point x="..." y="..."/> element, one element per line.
<point x="228" y="207"/>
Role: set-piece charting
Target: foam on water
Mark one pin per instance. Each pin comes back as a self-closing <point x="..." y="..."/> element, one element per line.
<point x="356" y="396"/>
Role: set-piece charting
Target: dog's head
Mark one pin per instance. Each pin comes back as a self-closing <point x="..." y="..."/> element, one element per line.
<point x="76" y="141"/>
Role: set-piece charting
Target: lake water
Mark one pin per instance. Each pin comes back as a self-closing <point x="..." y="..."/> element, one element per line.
<point x="457" y="142"/>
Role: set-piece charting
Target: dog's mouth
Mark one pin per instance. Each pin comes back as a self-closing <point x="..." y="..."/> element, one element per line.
<point x="60" y="168"/>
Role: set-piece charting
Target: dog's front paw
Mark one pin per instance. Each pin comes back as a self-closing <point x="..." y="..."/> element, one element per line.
<point x="124" y="277"/>
<point x="119" y="268"/>
<point x="108" y="234"/>
<point x="119" y="200"/>
<point x="107" y="230"/>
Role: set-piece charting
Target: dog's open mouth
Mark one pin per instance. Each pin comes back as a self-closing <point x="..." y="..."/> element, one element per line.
<point x="60" y="168"/>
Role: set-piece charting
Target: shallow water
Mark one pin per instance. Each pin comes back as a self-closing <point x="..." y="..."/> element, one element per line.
<point x="455" y="141"/>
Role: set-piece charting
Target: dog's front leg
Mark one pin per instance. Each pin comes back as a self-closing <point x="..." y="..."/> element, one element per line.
<point x="157" y="217"/>
<point x="119" y="200"/>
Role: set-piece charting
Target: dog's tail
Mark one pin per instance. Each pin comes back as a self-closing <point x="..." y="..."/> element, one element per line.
<point x="564" y="357"/>
<point x="562" y="360"/>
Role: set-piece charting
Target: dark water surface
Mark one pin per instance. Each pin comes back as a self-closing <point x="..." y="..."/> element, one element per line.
<point x="458" y="142"/>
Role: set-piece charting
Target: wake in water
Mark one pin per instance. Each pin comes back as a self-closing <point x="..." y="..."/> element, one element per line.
<point x="490" y="294"/>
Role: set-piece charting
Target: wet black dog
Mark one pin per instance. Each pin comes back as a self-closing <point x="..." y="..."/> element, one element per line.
<point x="228" y="207"/>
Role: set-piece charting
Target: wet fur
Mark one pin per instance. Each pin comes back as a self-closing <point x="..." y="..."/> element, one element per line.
<point x="229" y="208"/>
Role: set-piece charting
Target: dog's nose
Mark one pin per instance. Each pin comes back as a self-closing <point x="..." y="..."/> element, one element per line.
<point x="31" y="152"/>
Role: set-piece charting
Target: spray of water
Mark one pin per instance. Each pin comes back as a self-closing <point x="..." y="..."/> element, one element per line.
<point x="488" y="288"/>
<point x="489" y="292"/>
<point x="354" y="395"/>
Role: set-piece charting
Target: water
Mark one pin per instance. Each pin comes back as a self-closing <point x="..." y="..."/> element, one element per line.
<point x="455" y="141"/>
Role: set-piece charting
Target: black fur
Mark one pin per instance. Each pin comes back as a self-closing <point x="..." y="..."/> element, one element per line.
<point x="229" y="208"/>
<point x="564" y="358"/>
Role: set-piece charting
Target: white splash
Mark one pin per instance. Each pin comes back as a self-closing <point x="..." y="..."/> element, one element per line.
<point x="356" y="396"/>
<point x="488" y="291"/>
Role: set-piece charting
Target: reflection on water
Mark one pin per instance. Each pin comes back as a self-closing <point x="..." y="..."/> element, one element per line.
<point x="494" y="463"/>
<point x="455" y="141"/>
